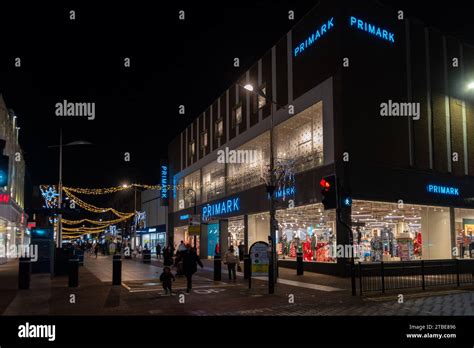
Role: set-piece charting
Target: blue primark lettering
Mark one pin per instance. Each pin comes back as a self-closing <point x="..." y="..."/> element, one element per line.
<point x="372" y="29"/>
<point x="224" y="207"/>
<point x="443" y="190"/>
<point x="315" y="36"/>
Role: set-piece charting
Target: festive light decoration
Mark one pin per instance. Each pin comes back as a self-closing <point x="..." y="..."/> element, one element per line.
<point x="92" y="208"/>
<point x="51" y="199"/>
<point x="109" y="190"/>
<point x="50" y="195"/>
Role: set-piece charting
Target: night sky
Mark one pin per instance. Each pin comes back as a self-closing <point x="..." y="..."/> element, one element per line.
<point x="172" y="63"/>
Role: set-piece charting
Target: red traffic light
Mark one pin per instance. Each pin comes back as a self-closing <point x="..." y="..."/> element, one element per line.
<point x="325" y="184"/>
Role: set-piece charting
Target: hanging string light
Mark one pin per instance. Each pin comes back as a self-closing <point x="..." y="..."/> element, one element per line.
<point x="109" y="190"/>
<point x="92" y="208"/>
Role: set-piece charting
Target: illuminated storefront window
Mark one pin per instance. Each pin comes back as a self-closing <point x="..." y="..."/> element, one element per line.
<point x="464" y="227"/>
<point x="242" y="176"/>
<point x="213" y="181"/>
<point x="300" y="139"/>
<point x="310" y="230"/>
<point x="392" y="232"/>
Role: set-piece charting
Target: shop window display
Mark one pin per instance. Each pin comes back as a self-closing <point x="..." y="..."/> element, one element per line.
<point x="400" y="233"/>
<point x="236" y="230"/>
<point x="464" y="226"/>
<point x="310" y="230"/>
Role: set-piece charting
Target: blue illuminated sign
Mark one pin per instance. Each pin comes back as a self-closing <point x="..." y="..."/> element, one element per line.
<point x="372" y="29"/>
<point x="184" y="217"/>
<point x="3" y="178"/>
<point x="284" y="192"/>
<point x="164" y="182"/>
<point x="315" y="36"/>
<point x="232" y="205"/>
<point x="442" y="190"/>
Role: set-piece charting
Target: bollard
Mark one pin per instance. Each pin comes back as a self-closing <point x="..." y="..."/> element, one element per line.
<point x="117" y="270"/>
<point x="24" y="274"/>
<point x="146" y="256"/>
<point x="74" y="272"/>
<point x="299" y="264"/>
<point x="247" y="265"/>
<point x="217" y="267"/>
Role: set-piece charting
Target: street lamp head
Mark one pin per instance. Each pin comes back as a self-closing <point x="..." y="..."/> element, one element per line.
<point x="125" y="185"/>
<point x="470" y="85"/>
<point x="249" y="87"/>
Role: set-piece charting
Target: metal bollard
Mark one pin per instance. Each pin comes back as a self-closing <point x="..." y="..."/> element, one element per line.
<point x="247" y="265"/>
<point x="24" y="274"/>
<point x="74" y="272"/>
<point x="117" y="270"/>
<point x="217" y="267"/>
<point x="299" y="264"/>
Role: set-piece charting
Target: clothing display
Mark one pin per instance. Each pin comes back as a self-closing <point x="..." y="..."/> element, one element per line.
<point x="383" y="244"/>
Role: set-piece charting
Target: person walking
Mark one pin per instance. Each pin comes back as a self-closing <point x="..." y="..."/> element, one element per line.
<point x="231" y="260"/>
<point x="158" y="251"/>
<point x="96" y="250"/>
<point x="167" y="257"/>
<point x="166" y="279"/>
<point x="190" y="262"/>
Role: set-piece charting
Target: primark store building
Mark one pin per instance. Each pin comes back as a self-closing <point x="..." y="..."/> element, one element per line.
<point x="359" y="91"/>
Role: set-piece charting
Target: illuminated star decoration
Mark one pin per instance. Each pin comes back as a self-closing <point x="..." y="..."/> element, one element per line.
<point x="50" y="196"/>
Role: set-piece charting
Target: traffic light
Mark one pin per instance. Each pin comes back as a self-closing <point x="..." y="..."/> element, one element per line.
<point x="329" y="192"/>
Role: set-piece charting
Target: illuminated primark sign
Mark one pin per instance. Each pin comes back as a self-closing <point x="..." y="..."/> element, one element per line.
<point x="442" y="190"/>
<point x="314" y="37"/>
<point x="231" y="205"/>
<point x="372" y="29"/>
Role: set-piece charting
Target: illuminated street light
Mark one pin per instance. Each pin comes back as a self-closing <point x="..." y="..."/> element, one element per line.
<point x="470" y="85"/>
<point x="249" y="87"/>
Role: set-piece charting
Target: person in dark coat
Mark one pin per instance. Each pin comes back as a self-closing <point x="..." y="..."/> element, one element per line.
<point x="190" y="262"/>
<point x="158" y="251"/>
<point x="167" y="257"/>
<point x="166" y="279"/>
<point x="241" y="251"/>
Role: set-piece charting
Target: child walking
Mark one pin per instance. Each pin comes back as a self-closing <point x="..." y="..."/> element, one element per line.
<point x="166" y="279"/>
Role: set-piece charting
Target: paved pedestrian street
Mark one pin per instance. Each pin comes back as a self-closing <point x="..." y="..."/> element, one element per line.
<point x="141" y="294"/>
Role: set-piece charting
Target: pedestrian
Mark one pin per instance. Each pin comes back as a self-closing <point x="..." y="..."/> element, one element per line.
<point x="231" y="260"/>
<point x="241" y="251"/>
<point x="167" y="257"/>
<point x="96" y="250"/>
<point x="166" y="279"/>
<point x="190" y="262"/>
<point x="158" y="251"/>
<point x="182" y="247"/>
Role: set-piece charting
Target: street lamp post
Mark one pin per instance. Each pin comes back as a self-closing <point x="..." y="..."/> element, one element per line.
<point x="270" y="186"/>
<point x="60" y="184"/>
